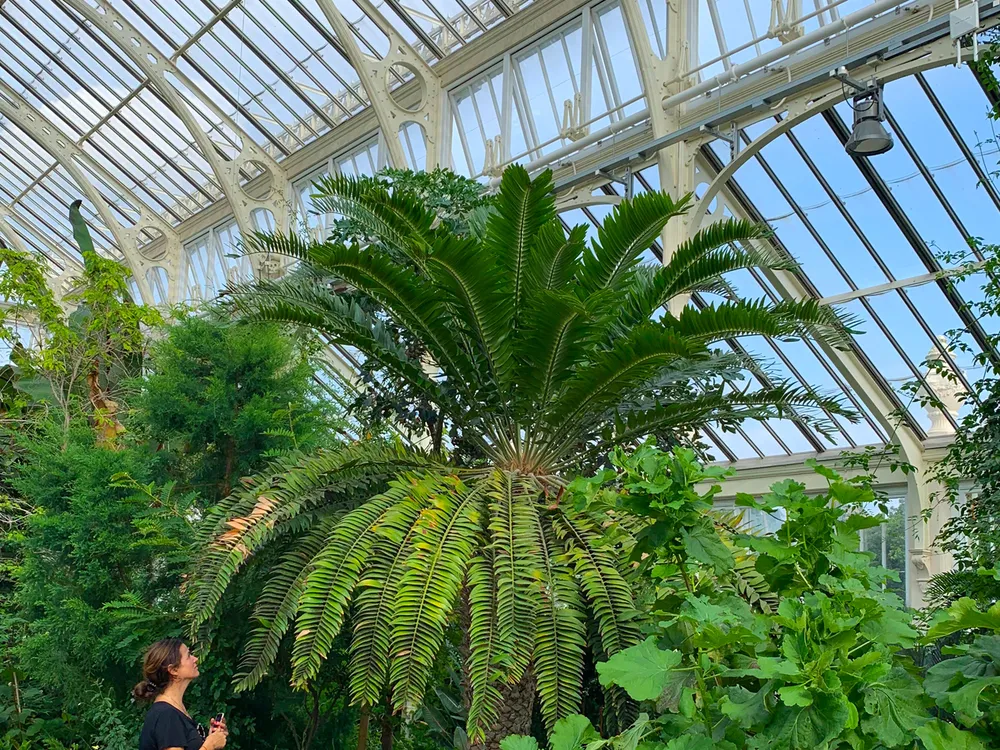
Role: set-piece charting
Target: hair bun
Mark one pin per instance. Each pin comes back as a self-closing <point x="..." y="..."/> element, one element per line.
<point x="145" y="691"/>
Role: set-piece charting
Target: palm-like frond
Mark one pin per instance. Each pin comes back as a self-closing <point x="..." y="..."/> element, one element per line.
<point x="375" y="603"/>
<point x="278" y="603"/>
<point x="600" y="574"/>
<point x="334" y="574"/>
<point x="624" y="236"/>
<point x="312" y="305"/>
<point x="515" y="561"/>
<point x="785" y="319"/>
<point x="523" y="207"/>
<point x="560" y="632"/>
<point x="632" y="360"/>
<point x="398" y="219"/>
<point x="428" y="591"/>
<point x="470" y="278"/>
<point x="253" y="514"/>
<point x="485" y="667"/>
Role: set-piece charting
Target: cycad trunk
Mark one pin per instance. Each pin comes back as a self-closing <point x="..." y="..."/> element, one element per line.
<point x="514" y="716"/>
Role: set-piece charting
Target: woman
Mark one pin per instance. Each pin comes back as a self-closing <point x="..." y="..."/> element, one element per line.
<point x="167" y="671"/>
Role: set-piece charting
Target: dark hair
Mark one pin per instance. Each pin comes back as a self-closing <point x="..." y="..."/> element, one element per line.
<point x="156" y="668"/>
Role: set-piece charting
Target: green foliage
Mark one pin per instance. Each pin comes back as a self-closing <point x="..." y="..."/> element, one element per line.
<point x="99" y="538"/>
<point x="970" y="471"/>
<point x="825" y="669"/>
<point x="80" y="361"/>
<point x="219" y="398"/>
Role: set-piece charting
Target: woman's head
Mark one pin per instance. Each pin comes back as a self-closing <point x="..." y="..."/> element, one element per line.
<point x="166" y="661"/>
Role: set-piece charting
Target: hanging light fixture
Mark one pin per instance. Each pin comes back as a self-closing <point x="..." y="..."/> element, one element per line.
<point x="869" y="136"/>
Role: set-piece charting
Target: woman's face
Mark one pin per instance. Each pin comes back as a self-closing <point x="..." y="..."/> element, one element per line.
<point x="188" y="667"/>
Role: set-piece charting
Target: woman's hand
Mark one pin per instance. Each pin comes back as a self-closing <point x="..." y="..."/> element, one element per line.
<point x="217" y="736"/>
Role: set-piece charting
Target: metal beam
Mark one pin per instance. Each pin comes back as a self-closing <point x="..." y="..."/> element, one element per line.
<point x="74" y="159"/>
<point x="533" y="22"/>
<point x="173" y="86"/>
<point x="920" y="247"/>
<point x="375" y="76"/>
<point x="806" y="88"/>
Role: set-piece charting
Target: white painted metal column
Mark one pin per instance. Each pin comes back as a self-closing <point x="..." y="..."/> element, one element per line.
<point x="662" y="77"/>
<point x="376" y="74"/>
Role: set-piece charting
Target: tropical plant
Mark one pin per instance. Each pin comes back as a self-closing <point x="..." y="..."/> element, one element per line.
<point x="966" y="688"/>
<point x="540" y="353"/>
<point x="824" y="669"/>
<point x="84" y="357"/>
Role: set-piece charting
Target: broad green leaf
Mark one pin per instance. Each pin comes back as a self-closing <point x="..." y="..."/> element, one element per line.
<point x="805" y="728"/>
<point x="572" y="732"/>
<point x="892" y="629"/>
<point x="965" y="700"/>
<point x="893" y="708"/>
<point x="795" y="695"/>
<point x="745" y="708"/>
<point x="705" y="546"/>
<point x="963" y="615"/>
<point x="940" y="735"/>
<point x="690" y="742"/>
<point x="518" y="742"/>
<point x="644" y="670"/>
<point x="767" y="667"/>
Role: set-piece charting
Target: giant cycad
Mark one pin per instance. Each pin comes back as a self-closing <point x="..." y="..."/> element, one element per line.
<point x="540" y="351"/>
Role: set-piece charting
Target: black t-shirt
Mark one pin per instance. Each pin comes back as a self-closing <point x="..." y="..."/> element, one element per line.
<point x="167" y="726"/>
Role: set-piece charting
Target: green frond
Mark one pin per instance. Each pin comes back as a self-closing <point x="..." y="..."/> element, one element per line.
<point x="462" y="268"/>
<point x="522" y="207"/>
<point x="560" y="632"/>
<point x="631" y="361"/>
<point x="254" y="514"/>
<point x="447" y="532"/>
<point x="700" y="265"/>
<point x="411" y="300"/>
<point x="287" y="244"/>
<point x="397" y="218"/>
<point x="277" y="605"/>
<point x="752" y="587"/>
<point x="555" y="258"/>
<point x="369" y="666"/>
<point x="515" y="562"/>
<point x="784" y="319"/>
<point x="485" y="667"/>
<point x="334" y="574"/>
<point x="624" y="236"/>
<point x="599" y="572"/>
<point x="780" y="401"/>
<point x="313" y="305"/>
<point x="560" y="336"/>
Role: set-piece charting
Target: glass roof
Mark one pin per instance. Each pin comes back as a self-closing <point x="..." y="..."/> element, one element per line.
<point x="280" y="73"/>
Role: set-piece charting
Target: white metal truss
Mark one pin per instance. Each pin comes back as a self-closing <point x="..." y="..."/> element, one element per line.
<point x="247" y="159"/>
<point x="129" y="237"/>
<point x="660" y="77"/>
<point x="394" y="112"/>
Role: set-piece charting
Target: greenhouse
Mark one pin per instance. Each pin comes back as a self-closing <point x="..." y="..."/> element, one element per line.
<point x="499" y="374"/>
